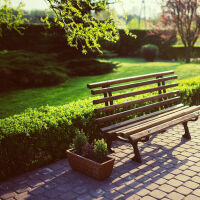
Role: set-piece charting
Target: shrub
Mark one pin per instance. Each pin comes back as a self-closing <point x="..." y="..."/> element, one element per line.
<point x="80" y="141"/>
<point x="89" y="67"/>
<point x="21" y="69"/>
<point x="100" y="150"/>
<point x="149" y="52"/>
<point x="41" y="135"/>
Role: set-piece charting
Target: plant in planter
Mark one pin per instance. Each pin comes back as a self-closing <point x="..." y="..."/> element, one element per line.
<point x="90" y="159"/>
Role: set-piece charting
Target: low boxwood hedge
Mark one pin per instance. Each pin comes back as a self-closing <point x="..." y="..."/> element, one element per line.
<point x="39" y="136"/>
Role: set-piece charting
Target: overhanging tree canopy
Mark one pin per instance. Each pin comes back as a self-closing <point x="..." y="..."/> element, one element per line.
<point x="77" y="18"/>
<point x="13" y="19"/>
<point x="82" y="27"/>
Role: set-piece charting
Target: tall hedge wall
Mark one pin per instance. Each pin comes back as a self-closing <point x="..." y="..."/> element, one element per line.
<point x="38" y="38"/>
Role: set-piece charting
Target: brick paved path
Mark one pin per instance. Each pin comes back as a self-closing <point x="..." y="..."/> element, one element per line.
<point x="170" y="170"/>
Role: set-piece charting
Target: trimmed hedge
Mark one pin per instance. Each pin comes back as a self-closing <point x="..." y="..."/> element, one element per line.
<point x="39" y="136"/>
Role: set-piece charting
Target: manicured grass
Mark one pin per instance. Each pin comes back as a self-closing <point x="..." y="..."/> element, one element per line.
<point x="76" y="88"/>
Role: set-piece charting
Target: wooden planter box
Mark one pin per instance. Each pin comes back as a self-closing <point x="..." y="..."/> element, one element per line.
<point x="99" y="171"/>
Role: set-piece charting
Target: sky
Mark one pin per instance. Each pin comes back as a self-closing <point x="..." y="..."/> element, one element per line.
<point x="151" y="9"/>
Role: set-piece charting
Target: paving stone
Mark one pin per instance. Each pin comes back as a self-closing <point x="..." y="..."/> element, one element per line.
<point x="132" y="197"/>
<point x="45" y="171"/>
<point x="184" y="190"/>
<point x="161" y="181"/>
<point x="125" y="190"/>
<point x="195" y="168"/>
<point x="97" y="192"/>
<point x="84" y="197"/>
<point x="175" y="196"/>
<point x="23" y="196"/>
<point x="63" y="187"/>
<point x="143" y="192"/>
<point x="47" y="177"/>
<point x="158" y="194"/>
<point x="176" y="171"/>
<point x="49" y="185"/>
<point x="167" y="188"/>
<point x="196" y="179"/>
<point x="8" y="195"/>
<point x="191" y="185"/>
<point x="174" y="182"/>
<point x="52" y="193"/>
<point x="152" y="186"/>
<point x="197" y="192"/>
<point x="182" y="177"/>
<point x="148" y="198"/>
<point x="191" y="197"/>
<point x="68" y="195"/>
<point x="37" y="191"/>
<point x="113" y="194"/>
<point x="80" y="189"/>
<point x="38" y="197"/>
<point x="169" y="176"/>
<point x="23" y="188"/>
<point x="35" y="183"/>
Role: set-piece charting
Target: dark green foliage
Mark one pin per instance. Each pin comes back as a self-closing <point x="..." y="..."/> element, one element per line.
<point x="21" y="69"/>
<point x="100" y="150"/>
<point x="38" y="38"/>
<point x="80" y="141"/>
<point x="149" y="52"/>
<point x="39" y="136"/>
<point x="89" y="67"/>
<point x="178" y="53"/>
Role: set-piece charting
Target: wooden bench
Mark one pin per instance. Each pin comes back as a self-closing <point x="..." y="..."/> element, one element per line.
<point x="155" y="113"/>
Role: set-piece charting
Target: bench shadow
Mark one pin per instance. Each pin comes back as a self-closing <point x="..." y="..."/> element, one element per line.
<point x="128" y="177"/>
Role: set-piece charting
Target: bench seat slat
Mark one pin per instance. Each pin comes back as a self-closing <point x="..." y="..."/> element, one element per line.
<point x="150" y="119"/>
<point x="130" y="121"/>
<point x="163" y="126"/>
<point x="123" y="87"/>
<point x="131" y="94"/>
<point x="130" y="131"/>
<point x="140" y="109"/>
<point x="129" y="103"/>
<point x="123" y="80"/>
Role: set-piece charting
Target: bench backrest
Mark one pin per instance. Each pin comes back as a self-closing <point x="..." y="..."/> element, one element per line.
<point x="107" y="88"/>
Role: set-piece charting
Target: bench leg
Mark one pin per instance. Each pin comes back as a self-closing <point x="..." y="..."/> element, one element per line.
<point x="137" y="157"/>
<point x="109" y="140"/>
<point x="187" y="133"/>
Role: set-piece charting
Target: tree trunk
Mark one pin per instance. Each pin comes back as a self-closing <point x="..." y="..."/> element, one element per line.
<point x="188" y="51"/>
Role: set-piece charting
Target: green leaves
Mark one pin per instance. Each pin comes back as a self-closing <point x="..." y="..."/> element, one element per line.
<point x="12" y="18"/>
<point x="81" y="25"/>
<point x="100" y="150"/>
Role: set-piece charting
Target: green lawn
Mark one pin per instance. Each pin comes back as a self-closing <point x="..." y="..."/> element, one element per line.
<point x="76" y="88"/>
